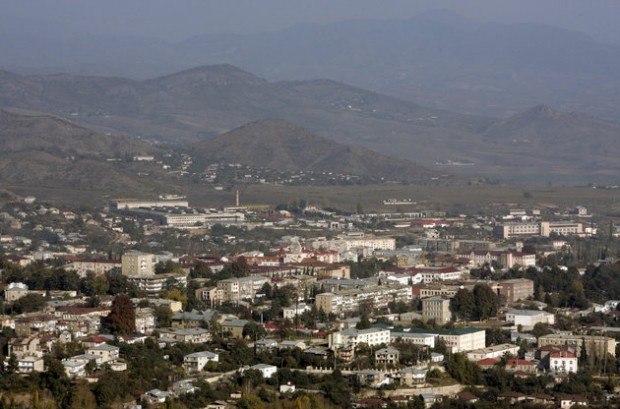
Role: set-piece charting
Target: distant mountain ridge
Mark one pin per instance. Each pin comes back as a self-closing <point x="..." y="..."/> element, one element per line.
<point x="437" y="58"/>
<point x="193" y="105"/>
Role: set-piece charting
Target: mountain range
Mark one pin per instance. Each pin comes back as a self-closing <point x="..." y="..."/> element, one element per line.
<point x="539" y="144"/>
<point x="438" y="58"/>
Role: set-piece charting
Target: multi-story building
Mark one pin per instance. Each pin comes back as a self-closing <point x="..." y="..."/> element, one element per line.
<point x="436" y="308"/>
<point x="426" y="340"/>
<point x="387" y="356"/>
<point x="507" y="258"/>
<point x="97" y="266"/>
<point x="518" y="289"/>
<point x="528" y="318"/>
<point x="596" y="346"/>
<point x="495" y="351"/>
<point x="240" y="288"/>
<point x="137" y="264"/>
<point x="563" y="362"/>
<point x="377" y="296"/>
<point x="545" y="229"/>
<point x="370" y="336"/>
<point x="196" y="362"/>
<point x="458" y="339"/>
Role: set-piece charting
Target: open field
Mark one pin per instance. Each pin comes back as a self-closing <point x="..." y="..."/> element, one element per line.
<point x="447" y="198"/>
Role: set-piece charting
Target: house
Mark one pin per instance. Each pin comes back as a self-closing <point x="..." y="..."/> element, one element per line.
<point x="22" y="347"/>
<point x="267" y="370"/>
<point x="193" y="319"/>
<point x="188" y="335"/>
<point x="430" y="399"/>
<point x="487" y="363"/>
<point x="387" y="356"/>
<point x="495" y="351"/>
<point x="266" y="344"/>
<point x="412" y="376"/>
<point x="15" y="291"/>
<point x="467" y="397"/>
<point x="293" y="344"/>
<point x="371" y="378"/>
<point x="524" y="365"/>
<point x="234" y="327"/>
<point x="30" y="364"/>
<point x="563" y="362"/>
<point x="107" y="352"/>
<point x="74" y="369"/>
<point x="156" y="396"/>
<point x="197" y="361"/>
<point x="437" y="357"/>
<point x="569" y="401"/>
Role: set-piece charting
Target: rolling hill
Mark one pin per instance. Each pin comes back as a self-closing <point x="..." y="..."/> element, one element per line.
<point x="282" y="146"/>
<point x="43" y="151"/>
<point x="190" y="106"/>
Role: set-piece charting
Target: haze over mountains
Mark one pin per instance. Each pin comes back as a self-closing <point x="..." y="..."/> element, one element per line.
<point x="204" y="102"/>
<point x="437" y="59"/>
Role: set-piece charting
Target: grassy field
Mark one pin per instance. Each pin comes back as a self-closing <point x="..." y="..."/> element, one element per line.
<point x="446" y="198"/>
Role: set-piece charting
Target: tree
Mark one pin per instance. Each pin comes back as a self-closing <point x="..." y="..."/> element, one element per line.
<point x="29" y="303"/>
<point x="463" y="304"/>
<point x="487" y="302"/>
<point x="250" y="401"/>
<point x="82" y="398"/>
<point x="122" y="317"/>
<point x="163" y="316"/>
<point x="253" y="330"/>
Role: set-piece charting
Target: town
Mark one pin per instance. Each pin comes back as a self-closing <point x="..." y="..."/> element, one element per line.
<point x="155" y="303"/>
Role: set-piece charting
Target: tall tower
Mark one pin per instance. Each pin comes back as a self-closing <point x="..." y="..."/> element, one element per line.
<point x="237" y="198"/>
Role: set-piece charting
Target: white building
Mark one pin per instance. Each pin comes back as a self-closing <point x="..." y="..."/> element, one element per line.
<point x="563" y="362"/>
<point x="495" y="351"/>
<point x="196" y="362"/>
<point x="267" y="370"/>
<point x="528" y="318"/>
<point x="370" y="336"/>
<point x="413" y="338"/>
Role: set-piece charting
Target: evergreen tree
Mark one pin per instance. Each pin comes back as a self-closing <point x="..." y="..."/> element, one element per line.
<point x="122" y="317"/>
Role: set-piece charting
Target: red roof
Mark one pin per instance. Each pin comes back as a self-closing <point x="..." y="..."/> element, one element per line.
<point x="487" y="362"/>
<point x="519" y="362"/>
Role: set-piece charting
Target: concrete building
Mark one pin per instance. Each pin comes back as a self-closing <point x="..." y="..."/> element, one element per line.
<point x="528" y="318"/>
<point x="518" y="289"/>
<point x="234" y="327"/>
<point x="458" y="339"/>
<point x="370" y="336"/>
<point x="15" y="291"/>
<point x="196" y="362"/>
<point x="563" y="362"/>
<point x="240" y="288"/>
<point x="545" y="229"/>
<point x="387" y="356"/>
<point x="415" y="338"/>
<point x="137" y="264"/>
<point x="495" y="351"/>
<point x="596" y="346"/>
<point x="436" y="308"/>
<point x="377" y="296"/>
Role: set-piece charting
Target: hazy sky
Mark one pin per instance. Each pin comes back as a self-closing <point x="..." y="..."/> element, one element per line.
<point x="178" y="19"/>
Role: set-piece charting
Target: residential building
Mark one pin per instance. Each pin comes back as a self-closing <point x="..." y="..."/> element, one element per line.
<point x="107" y="352"/>
<point x="437" y="309"/>
<point x="458" y="339"/>
<point x="387" y="356"/>
<point x="370" y="336"/>
<point x="234" y="327"/>
<point x="188" y="335"/>
<point x="518" y="289"/>
<point x="377" y="296"/>
<point x="596" y="346"/>
<point x="30" y="364"/>
<point x="241" y="288"/>
<point x="196" y="362"/>
<point x="563" y="362"/>
<point x="267" y="370"/>
<point x="135" y="263"/>
<point x="415" y="338"/>
<point x="15" y="291"/>
<point x="495" y="351"/>
<point x="528" y="318"/>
